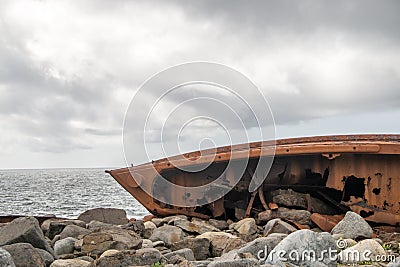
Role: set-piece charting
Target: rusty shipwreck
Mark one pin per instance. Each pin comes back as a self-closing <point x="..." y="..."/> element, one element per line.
<point x="347" y="172"/>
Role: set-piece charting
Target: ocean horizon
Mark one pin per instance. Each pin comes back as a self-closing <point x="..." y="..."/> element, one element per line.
<point x="63" y="192"/>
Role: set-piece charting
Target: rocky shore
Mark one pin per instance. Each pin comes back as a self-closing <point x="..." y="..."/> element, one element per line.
<point x="105" y="237"/>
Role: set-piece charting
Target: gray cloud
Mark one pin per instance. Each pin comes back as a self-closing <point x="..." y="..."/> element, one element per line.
<point x="68" y="70"/>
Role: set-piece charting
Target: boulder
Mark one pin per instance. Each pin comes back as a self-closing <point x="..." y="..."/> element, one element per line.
<point x="161" y="221"/>
<point x="74" y="231"/>
<point x="24" y="230"/>
<point x="246" y="226"/>
<point x="234" y="263"/>
<point x="135" y="226"/>
<point x="395" y="263"/>
<point x="147" y="243"/>
<point x="221" y="242"/>
<point x="199" y="246"/>
<point x="64" y="246"/>
<point x="93" y="225"/>
<point x="148" y="229"/>
<point x="106" y="215"/>
<point x="46" y="256"/>
<point x="168" y="234"/>
<point x="292" y="199"/>
<point x="141" y="257"/>
<point x="219" y="224"/>
<point x="71" y="263"/>
<point x="365" y="251"/>
<point x="57" y="226"/>
<point x="6" y="259"/>
<point x="185" y="253"/>
<point x="24" y="254"/>
<point x="302" y="247"/>
<point x="278" y="226"/>
<point x="353" y="226"/>
<point x="299" y="216"/>
<point x="195" y="226"/>
<point x="261" y="246"/>
<point x="110" y="238"/>
<point x="149" y="225"/>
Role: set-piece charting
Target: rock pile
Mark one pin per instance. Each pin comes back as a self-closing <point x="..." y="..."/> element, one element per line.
<point x="104" y="237"/>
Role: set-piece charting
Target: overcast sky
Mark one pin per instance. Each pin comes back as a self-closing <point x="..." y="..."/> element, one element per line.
<point x="69" y="68"/>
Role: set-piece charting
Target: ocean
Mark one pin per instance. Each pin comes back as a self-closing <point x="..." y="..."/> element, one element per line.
<point x="63" y="192"/>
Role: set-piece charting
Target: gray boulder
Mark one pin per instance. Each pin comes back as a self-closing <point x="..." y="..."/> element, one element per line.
<point x="221" y="242"/>
<point x="353" y="226"/>
<point x="199" y="246"/>
<point x="185" y="253"/>
<point x="6" y="259"/>
<point x="302" y="247"/>
<point x="141" y="257"/>
<point x="395" y="263"/>
<point x="106" y="215"/>
<point x="71" y="263"/>
<point x="24" y="230"/>
<point x="168" y="234"/>
<point x="46" y="256"/>
<point x="278" y="226"/>
<point x="367" y="250"/>
<point x="235" y="263"/>
<point x="24" y="254"/>
<point x="246" y="226"/>
<point x="261" y="246"/>
<point x="220" y="224"/>
<point x="64" y="246"/>
<point x="110" y="238"/>
<point x="299" y="216"/>
<point x="195" y="226"/>
<point x="74" y="231"/>
<point x="57" y="226"/>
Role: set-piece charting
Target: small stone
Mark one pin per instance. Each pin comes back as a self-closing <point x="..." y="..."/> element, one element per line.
<point x="65" y="246"/>
<point x="158" y="243"/>
<point x="353" y="226"/>
<point x="246" y="226"/>
<point x="136" y="226"/>
<point x="147" y="243"/>
<point x="278" y="226"/>
<point x="149" y="225"/>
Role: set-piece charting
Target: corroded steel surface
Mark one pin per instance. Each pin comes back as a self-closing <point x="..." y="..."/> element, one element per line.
<point x="357" y="172"/>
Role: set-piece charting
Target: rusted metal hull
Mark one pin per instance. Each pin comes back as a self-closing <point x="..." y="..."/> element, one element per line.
<point x="356" y="172"/>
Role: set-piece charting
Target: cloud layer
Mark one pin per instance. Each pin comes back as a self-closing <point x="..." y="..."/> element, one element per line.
<point x="68" y="70"/>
